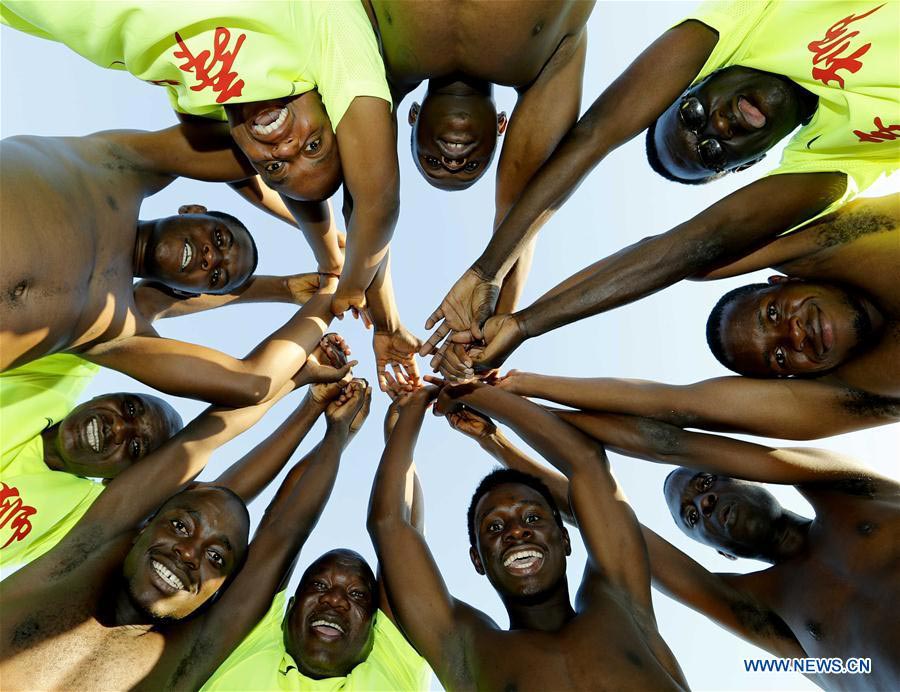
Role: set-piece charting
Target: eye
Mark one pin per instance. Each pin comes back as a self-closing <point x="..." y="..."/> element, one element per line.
<point x="705" y="482"/>
<point x="135" y="448"/>
<point x="780" y="357"/>
<point x="274" y="167"/>
<point x="179" y="526"/>
<point x="358" y="595"/>
<point x="691" y="517"/>
<point x="494" y="527"/>
<point x="531" y="518"/>
<point x="130" y="408"/>
<point x="215" y="558"/>
<point x="471" y="166"/>
<point x="313" y="146"/>
<point x="214" y="277"/>
<point x="219" y="238"/>
<point x="432" y="162"/>
<point x="772" y="312"/>
<point x="319" y="585"/>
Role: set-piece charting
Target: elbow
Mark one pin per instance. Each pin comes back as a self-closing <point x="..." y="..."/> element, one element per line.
<point x="244" y="390"/>
<point x="663" y="440"/>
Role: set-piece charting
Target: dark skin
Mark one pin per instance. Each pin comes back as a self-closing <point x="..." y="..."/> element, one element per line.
<point x="119" y="640"/>
<point x="457" y="48"/>
<point x="95" y="196"/>
<point x="730" y="229"/>
<point x="856" y="248"/>
<point x="821" y="597"/>
<point x="552" y="645"/>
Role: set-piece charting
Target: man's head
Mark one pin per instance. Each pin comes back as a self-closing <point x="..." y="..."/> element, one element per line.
<point x="198" y="251"/>
<point x="788" y="327"/>
<point x="725" y="123"/>
<point x="330" y="621"/>
<point x="516" y="534"/>
<point x="454" y="134"/>
<point x="104" y="436"/>
<point x="187" y="551"/>
<point x="737" y="518"/>
<point x="290" y="143"/>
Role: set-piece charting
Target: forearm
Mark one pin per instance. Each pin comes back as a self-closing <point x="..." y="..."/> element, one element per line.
<point x="316" y="222"/>
<point x="253" y="472"/>
<point x="368" y="238"/>
<point x="389" y="503"/>
<point x="156" y="304"/>
<point x="380" y="299"/>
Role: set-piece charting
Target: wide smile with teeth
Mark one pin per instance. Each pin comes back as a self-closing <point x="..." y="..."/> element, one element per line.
<point x="93" y="434"/>
<point x="186" y="255"/>
<point x="166" y="575"/>
<point x="455" y="147"/>
<point x="267" y="122"/>
<point x="328" y="624"/>
<point x="521" y="560"/>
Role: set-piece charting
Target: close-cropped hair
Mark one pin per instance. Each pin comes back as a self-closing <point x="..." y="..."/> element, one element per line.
<point x="503" y="477"/>
<point x="714" y="322"/>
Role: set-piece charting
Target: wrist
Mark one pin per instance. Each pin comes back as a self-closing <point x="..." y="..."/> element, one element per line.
<point x="525" y="322"/>
<point x="486" y="270"/>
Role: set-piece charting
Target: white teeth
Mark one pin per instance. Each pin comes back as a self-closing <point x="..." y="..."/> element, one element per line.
<point x="186" y="255"/>
<point x="455" y="146"/>
<point x="271" y="127"/>
<point x="167" y="575"/>
<point x="327" y="623"/>
<point x="521" y="555"/>
<point x="93" y="434"/>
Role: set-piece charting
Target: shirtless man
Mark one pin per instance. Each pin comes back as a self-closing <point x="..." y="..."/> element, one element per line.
<point x="457" y="48"/>
<point x="717" y="92"/>
<point x="293" y="81"/>
<point x="113" y="597"/>
<point x="72" y="244"/>
<point x="852" y="254"/>
<point x="609" y="640"/>
<point x="824" y="595"/>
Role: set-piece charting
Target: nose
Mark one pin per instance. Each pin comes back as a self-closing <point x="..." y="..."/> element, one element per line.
<point x="187" y="553"/>
<point x="119" y="428"/>
<point x="335" y="598"/>
<point x="453" y="164"/>
<point x="211" y="258"/>
<point x="796" y="333"/>
<point x="286" y="148"/>
<point x="517" y="532"/>
<point x="708" y="502"/>
<point x="721" y="123"/>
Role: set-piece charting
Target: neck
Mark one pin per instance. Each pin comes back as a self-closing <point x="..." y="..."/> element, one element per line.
<point x="791" y="535"/>
<point x="52" y="458"/>
<point x="547" y="612"/>
<point x="459" y="85"/>
<point x="121" y="611"/>
<point x="141" y="238"/>
<point x="807" y="102"/>
<point x="876" y="317"/>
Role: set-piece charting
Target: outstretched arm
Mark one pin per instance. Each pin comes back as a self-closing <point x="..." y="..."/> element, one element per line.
<point x="371" y="174"/>
<point x="789" y="409"/>
<point x="611" y="533"/>
<point x="421" y="603"/>
<point x="195" y="371"/>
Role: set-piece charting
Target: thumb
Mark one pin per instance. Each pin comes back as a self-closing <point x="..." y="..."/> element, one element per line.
<point x="337" y="374"/>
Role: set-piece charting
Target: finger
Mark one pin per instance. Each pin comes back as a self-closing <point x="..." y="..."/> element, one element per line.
<point x="412" y="371"/>
<point x="436" y="317"/>
<point x="437" y="381"/>
<point x="476" y="330"/>
<point x="386" y="381"/>
<point x="439" y="356"/>
<point x="455" y="359"/>
<point x="398" y="374"/>
<point x="464" y="337"/>
<point x="367" y="319"/>
<point x="436" y="337"/>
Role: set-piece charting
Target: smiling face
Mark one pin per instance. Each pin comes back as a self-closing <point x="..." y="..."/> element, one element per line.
<point x="329" y="626"/>
<point x="199" y="253"/>
<point x="186" y="552"/>
<point x="792" y="328"/>
<point x="290" y="143"/>
<point x="104" y="436"/>
<point x="454" y="137"/>
<point x="728" y="120"/>
<point x="519" y="544"/>
<point x="736" y="517"/>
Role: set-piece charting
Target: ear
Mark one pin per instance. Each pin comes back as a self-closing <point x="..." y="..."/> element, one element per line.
<point x="191" y="209"/>
<point x="776" y="279"/>
<point x="290" y="604"/>
<point x="178" y="293"/>
<point x="502" y="122"/>
<point x="745" y="166"/>
<point x="566" y="541"/>
<point x="413" y="113"/>
<point x="476" y="560"/>
<point x="727" y="556"/>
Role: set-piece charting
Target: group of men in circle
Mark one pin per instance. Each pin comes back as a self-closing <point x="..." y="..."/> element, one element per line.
<point x="151" y="579"/>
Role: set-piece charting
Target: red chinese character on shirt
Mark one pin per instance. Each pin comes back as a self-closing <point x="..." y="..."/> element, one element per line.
<point x="884" y="133"/>
<point x="830" y="49"/>
<point x="204" y="62"/>
<point x="15" y="513"/>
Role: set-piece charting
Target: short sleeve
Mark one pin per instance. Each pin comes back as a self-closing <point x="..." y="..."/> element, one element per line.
<point x="348" y="61"/>
<point x="733" y="21"/>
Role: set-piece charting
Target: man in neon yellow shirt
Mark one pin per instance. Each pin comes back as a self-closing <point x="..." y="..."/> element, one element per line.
<point x="338" y="632"/>
<point x="293" y="79"/>
<point x="49" y="445"/>
<point x="764" y="68"/>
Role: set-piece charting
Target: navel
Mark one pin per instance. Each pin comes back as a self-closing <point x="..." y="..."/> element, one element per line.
<point x="17" y="292"/>
<point x="866" y="528"/>
<point x="112" y="203"/>
<point x="538" y="28"/>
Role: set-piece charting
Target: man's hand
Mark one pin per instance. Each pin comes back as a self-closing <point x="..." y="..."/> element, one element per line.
<point x="346" y="298"/>
<point x="514" y="382"/>
<point x="448" y="399"/>
<point x="454" y="362"/>
<point x="390" y="418"/>
<point x="327" y="362"/>
<point x="472" y="424"/>
<point x="302" y="287"/>
<point x="503" y="334"/>
<point x="343" y="412"/>
<point x="396" y="349"/>
<point x="464" y="309"/>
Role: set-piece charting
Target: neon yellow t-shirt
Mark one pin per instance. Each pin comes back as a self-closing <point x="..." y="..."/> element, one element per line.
<point x="38" y="506"/>
<point x="206" y="54"/>
<point x="261" y="663"/>
<point x="843" y="52"/>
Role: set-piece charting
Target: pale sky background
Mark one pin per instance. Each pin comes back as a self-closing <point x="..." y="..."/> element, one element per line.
<point x="48" y="90"/>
